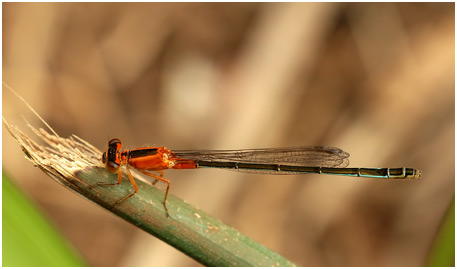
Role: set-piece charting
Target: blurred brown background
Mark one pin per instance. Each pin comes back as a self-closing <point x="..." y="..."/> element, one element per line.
<point x="374" y="79"/>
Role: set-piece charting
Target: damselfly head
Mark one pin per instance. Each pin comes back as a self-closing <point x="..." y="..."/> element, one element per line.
<point x="111" y="157"/>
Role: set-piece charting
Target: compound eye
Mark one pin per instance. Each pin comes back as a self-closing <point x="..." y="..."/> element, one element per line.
<point x="115" y="143"/>
<point x="112" y="166"/>
<point x="104" y="157"/>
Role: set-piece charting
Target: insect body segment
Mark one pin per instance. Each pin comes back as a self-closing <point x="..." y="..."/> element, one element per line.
<point x="110" y="157"/>
<point x="152" y="159"/>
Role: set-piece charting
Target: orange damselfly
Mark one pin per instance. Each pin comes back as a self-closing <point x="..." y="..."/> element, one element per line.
<point x="292" y="160"/>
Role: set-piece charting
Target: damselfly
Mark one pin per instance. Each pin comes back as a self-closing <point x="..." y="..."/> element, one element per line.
<point x="280" y="161"/>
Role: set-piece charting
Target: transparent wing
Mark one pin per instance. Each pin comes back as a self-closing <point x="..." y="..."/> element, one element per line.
<point x="300" y="156"/>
